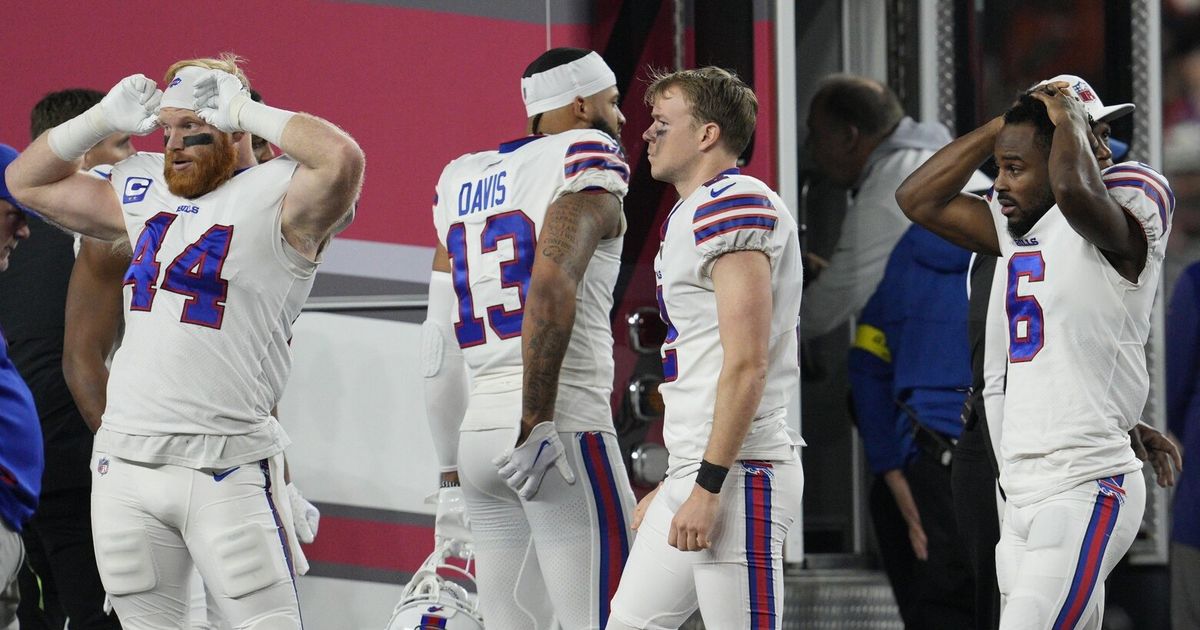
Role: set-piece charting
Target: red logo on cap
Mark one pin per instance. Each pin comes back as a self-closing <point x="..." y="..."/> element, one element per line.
<point x="1085" y="92"/>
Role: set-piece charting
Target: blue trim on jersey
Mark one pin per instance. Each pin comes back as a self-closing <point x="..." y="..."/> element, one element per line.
<point x="722" y="175"/>
<point x="574" y="168"/>
<point x="737" y="223"/>
<point x="1147" y="188"/>
<point x="591" y="147"/>
<point x="1145" y="170"/>
<point x="513" y="145"/>
<point x="729" y="203"/>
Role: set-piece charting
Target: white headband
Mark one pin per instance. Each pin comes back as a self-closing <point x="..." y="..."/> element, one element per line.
<point x="558" y="86"/>
<point x="179" y="90"/>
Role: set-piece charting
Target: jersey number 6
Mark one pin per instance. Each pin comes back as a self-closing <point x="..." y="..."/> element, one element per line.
<point x="1026" y="323"/>
<point x="518" y="228"/>
<point x="195" y="273"/>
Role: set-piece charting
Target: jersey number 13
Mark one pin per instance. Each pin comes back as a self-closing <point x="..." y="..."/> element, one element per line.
<point x="514" y="273"/>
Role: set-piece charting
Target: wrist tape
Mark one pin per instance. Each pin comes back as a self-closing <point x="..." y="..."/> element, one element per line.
<point x="711" y="476"/>
<point x="261" y="120"/>
<point x="70" y="140"/>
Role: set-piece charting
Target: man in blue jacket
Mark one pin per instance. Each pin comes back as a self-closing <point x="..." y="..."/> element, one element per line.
<point x="909" y="371"/>
<point x="20" y="432"/>
<point x="1183" y="419"/>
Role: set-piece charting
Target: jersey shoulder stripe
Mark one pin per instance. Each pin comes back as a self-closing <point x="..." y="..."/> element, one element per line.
<point x="592" y="147"/>
<point x="1137" y="171"/>
<point x="743" y="222"/>
<point x="571" y="169"/>
<point x="1147" y="189"/>
<point x="732" y="204"/>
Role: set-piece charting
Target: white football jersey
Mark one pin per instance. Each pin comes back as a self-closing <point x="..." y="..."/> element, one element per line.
<point x="489" y="210"/>
<point x="729" y="213"/>
<point x="1076" y="331"/>
<point x="210" y="298"/>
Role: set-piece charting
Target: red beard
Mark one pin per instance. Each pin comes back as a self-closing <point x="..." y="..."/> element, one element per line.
<point x="210" y="168"/>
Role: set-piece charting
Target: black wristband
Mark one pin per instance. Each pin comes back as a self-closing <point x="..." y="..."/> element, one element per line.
<point x="711" y="476"/>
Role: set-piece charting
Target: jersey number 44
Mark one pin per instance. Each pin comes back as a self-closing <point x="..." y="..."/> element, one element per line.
<point x="195" y="273"/>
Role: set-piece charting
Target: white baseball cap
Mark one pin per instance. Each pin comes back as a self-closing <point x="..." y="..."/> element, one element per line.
<point x="1091" y="101"/>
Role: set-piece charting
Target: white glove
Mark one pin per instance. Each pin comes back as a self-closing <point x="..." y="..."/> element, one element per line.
<point x="220" y="97"/>
<point x="131" y="106"/>
<point x="523" y="467"/>
<point x="305" y="516"/>
<point x="451" y="526"/>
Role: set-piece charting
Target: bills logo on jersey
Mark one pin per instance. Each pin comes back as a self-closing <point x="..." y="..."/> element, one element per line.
<point x="135" y="189"/>
<point x="102" y="467"/>
<point x="1026" y="242"/>
<point x="1084" y="91"/>
<point x="188" y="209"/>
<point x="175" y="82"/>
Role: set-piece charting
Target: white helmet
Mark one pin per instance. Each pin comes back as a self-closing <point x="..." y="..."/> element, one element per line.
<point x="432" y="602"/>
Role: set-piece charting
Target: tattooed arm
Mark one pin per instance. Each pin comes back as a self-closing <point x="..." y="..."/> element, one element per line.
<point x="574" y="226"/>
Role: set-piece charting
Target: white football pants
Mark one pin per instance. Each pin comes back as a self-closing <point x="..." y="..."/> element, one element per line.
<point x="151" y="522"/>
<point x="1055" y="554"/>
<point x="738" y="581"/>
<point x="559" y="556"/>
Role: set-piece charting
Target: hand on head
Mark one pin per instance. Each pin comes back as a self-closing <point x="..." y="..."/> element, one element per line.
<point x="1061" y="104"/>
<point x="131" y="106"/>
<point x="219" y="97"/>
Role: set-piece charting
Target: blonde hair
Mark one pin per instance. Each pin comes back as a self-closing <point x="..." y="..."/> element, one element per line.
<point x="717" y="96"/>
<point x="226" y="61"/>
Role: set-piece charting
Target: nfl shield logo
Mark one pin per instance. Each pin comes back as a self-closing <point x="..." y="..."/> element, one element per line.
<point x="102" y="467"/>
<point x="1085" y="93"/>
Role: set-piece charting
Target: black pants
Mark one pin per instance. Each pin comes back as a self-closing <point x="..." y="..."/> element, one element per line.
<point x="58" y="543"/>
<point x="936" y="593"/>
<point x="974" y="486"/>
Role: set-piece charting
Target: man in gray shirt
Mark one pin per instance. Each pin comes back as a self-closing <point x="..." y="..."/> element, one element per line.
<point x="861" y="140"/>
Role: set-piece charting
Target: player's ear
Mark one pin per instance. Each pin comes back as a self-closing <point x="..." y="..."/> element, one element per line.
<point x="237" y="136"/>
<point x="710" y="135"/>
<point x="579" y="108"/>
<point x="851" y="136"/>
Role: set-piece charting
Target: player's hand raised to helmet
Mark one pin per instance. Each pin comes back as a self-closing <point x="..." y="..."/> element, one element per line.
<point x="219" y="97"/>
<point x="1061" y="105"/>
<point x="131" y="106"/>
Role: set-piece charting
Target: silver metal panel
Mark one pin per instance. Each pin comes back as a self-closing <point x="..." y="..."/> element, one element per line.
<point x="1146" y="31"/>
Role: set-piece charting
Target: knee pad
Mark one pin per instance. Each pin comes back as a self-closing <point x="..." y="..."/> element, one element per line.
<point x="245" y="559"/>
<point x="125" y="561"/>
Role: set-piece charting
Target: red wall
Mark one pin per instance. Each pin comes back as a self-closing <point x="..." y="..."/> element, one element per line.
<point x="416" y="88"/>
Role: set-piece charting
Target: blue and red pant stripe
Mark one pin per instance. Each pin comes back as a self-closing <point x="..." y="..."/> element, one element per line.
<point x="759" y="560"/>
<point x="614" y="539"/>
<point x="1091" y="552"/>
